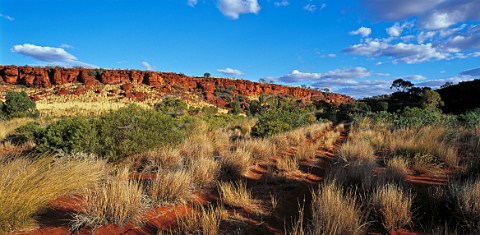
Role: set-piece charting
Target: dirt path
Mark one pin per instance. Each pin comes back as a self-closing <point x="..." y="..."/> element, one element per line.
<point x="264" y="180"/>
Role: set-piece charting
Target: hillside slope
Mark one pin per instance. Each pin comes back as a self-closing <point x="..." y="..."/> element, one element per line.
<point x="461" y="97"/>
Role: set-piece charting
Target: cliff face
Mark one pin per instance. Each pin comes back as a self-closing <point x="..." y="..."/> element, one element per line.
<point x="39" y="77"/>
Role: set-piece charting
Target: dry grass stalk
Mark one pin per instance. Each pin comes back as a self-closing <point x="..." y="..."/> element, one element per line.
<point x="287" y="163"/>
<point x="117" y="200"/>
<point x="329" y="139"/>
<point x="394" y="206"/>
<point x="8" y="127"/>
<point x="199" y="146"/>
<point x="356" y="152"/>
<point x="221" y="142"/>
<point x="204" y="172"/>
<point x="171" y="187"/>
<point x="167" y="158"/>
<point x="201" y="221"/>
<point x="28" y="186"/>
<point x="262" y="149"/>
<point x="466" y="198"/>
<point x="397" y="169"/>
<point x="335" y="212"/>
<point x="236" y="194"/>
<point x="306" y="152"/>
<point x="237" y="162"/>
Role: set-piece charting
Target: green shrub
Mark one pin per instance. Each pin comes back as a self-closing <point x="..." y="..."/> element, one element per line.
<point x="115" y="135"/>
<point x="70" y="135"/>
<point x="470" y="119"/>
<point x="172" y="106"/>
<point x="29" y="132"/>
<point x="18" y="104"/>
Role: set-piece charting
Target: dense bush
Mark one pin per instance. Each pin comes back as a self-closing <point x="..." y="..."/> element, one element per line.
<point x="470" y="119"/>
<point x="29" y="132"/>
<point x="172" y="106"/>
<point x="18" y="104"/>
<point x="279" y="115"/>
<point x="115" y="135"/>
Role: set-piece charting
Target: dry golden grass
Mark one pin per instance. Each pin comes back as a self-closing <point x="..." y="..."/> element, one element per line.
<point x="221" y="142"/>
<point x="466" y="198"/>
<point x="262" y="149"/>
<point x="28" y="186"/>
<point x="171" y="187"/>
<point x="236" y="194"/>
<point x="198" y="146"/>
<point x="335" y="212"/>
<point x="7" y="127"/>
<point x="306" y="152"/>
<point x="236" y="163"/>
<point x="329" y="139"/>
<point x="397" y="168"/>
<point x="356" y="152"/>
<point x="427" y="140"/>
<point x="164" y="158"/>
<point x="117" y="200"/>
<point x="204" y="172"/>
<point x="355" y="175"/>
<point x="287" y="163"/>
<point x="394" y="205"/>
<point x="201" y="221"/>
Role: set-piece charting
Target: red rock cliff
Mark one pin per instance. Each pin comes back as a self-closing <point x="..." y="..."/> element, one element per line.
<point x="46" y="77"/>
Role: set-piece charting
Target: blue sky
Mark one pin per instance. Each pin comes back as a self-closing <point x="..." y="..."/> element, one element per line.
<point x="352" y="47"/>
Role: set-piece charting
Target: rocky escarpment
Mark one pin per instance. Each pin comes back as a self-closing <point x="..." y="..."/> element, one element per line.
<point x="218" y="91"/>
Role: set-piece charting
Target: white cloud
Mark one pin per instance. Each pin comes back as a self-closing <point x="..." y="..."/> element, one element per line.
<point x="432" y="14"/>
<point x="233" y="8"/>
<point x="323" y="6"/>
<point x="400" y="52"/>
<point x="192" y="3"/>
<point x="364" y="31"/>
<point x="230" y="72"/>
<point x="331" y="55"/>
<point x="147" y="66"/>
<point x="7" y="17"/>
<point x="334" y="76"/>
<point x="436" y="83"/>
<point x="282" y="3"/>
<point x="412" y="77"/>
<point x="395" y="30"/>
<point x="65" y="46"/>
<point x="50" y="55"/>
<point x="310" y="7"/>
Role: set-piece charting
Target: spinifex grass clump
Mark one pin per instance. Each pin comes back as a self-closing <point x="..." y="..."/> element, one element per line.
<point x="28" y="186"/>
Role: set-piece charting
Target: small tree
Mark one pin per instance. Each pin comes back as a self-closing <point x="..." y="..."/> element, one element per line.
<point x="401" y="85"/>
<point x="431" y="100"/>
<point x="18" y="104"/>
<point x="207" y="75"/>
<point x="447" y="84"/>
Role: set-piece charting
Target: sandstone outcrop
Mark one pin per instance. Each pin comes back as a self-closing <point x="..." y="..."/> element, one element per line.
<point x="40" y="77"/>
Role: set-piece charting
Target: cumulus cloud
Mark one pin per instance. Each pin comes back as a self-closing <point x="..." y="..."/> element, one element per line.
<point x="471" y="72"/>
<point x="192" y="3"/>
<point x="65" y="46"/>
<point x="364" y="31"/>
<point x="50" y="55"/>
<point x="412" y="77"/>
<point x="7" y="17"/>
<point x="147" y="66"/>
<point x="233" y="8"/>
<point x="432" y="14"/>
<point x="400" y="52"/>
<point x="323" y="6"/>
<point x="334" y="76"/>
<point x="436" y="83"/>
<point x="230" y="72"/>
<point x="282" y="3"/>
<point x="310" y="7"/>
<point x="396" y="30"/>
